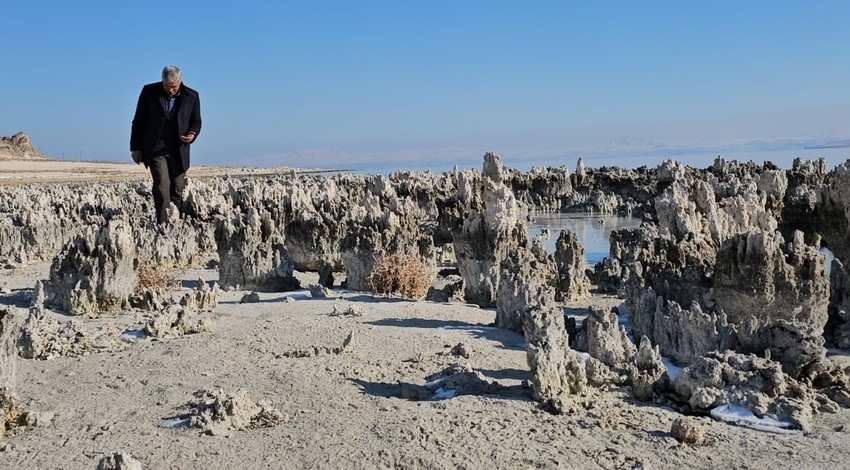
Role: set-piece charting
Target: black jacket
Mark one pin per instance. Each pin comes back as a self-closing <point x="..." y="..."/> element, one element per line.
<point x="149" y="121"/>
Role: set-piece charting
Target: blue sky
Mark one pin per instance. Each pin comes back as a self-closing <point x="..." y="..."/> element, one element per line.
<point x="418" y="84"/>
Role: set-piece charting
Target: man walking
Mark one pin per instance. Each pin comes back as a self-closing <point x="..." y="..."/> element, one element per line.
<point x="167" y="121"/>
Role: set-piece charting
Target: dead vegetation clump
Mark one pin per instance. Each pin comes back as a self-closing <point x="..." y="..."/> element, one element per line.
<point x="151" y="277"/>
<point x="401" y="275"/>
<point x="10" y="416"/>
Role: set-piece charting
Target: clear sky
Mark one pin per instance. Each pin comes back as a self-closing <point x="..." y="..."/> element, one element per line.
<point x="429" y="83"/>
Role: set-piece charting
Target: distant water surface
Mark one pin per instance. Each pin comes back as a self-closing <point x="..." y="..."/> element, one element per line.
<point x="592" y="230"/>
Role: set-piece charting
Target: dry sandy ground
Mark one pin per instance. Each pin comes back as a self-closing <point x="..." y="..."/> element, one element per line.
<point x="56" y="171"/>
<point x="345" y="410"/>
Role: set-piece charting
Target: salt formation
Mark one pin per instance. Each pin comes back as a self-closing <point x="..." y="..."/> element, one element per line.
<point x="776" y="294"/>
<point x="318" y="291"/>
<point x="546" y="189"/>
<point x="558" y="372"/>
<point x="347" y="309"/>
<point x="455" y="380"/>
<point x="95" y="273"/>
<point x="838" y="323"/>
<point x="9" y="330"/>
<point x="46" y="335"/>
<point x="175" y="320"/>
<point x="488" y="233"/>
<point x="202" y="299"/>
<point x="9" y="413"/>
<point x="180" y="243"/>
<point x="219" y="413"/>
<point x="382" y="224"/>
<point x="614" y="359"/>
<point x="684" y="289"/>
<point x="119" y="461"/>
<point x="252" y="253"/>
<point x="525" y="280"/>
<point x="725" y="260"/>
<point x="573" y="283"/>
<point x="750" y="382"/>
<point x="348" y="346"/>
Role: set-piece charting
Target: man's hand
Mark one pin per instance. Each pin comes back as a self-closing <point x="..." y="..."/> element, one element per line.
<point x="188" y="138"/>
<point x="137" y="156"/>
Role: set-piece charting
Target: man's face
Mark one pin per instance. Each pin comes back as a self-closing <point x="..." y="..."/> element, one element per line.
<point x="171" y="87"/>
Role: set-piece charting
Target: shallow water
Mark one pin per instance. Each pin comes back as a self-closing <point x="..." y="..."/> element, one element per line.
<point x="593" y="230"/>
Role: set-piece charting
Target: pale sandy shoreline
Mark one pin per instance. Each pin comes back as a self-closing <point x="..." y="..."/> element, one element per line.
<point x="13" y="172"/>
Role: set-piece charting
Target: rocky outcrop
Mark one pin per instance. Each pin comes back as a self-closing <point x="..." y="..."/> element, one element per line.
<point x="776" y="294"/>
<point x="525" y="283"/>
<point x="488" y="233"/>
<point x="202" y="299"/>
<point x="9" y="330"/>
<point x="614" y="359"/>
<point x="546" y="189"/>
<point x="95" y="273"/>
<point x="252" y="254"/>
<point x="573" y="283"/>
<point x="218" y="412"/>
<point x="558" y="372"/>
<point x="606" y="339"/>
<point x="837" y="329"/>
<point x="382" y="224"/>
<point x="175" y="320"/>
<point x="754" y="383"/>
<point x="119" y="461"/>
<point x="19" y="147"/>
<point x="46" y="335"/>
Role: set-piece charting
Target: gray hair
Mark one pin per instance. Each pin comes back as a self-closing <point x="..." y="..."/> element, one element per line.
<point x="170" y="74"/>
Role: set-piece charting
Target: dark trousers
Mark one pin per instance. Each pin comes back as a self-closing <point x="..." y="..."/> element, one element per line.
<point x="169" y="179"/>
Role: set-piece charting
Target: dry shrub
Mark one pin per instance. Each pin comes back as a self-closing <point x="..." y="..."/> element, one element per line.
<point x="401" y="275"/>
<point x="152" y="277"/>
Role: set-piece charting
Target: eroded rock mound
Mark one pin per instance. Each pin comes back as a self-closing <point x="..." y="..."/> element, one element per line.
<point x="524" y="283"/>
<point x="558" y="372"/>
<point x="748" y="381"/>
<point x="19" y="147"/>
<point x="614" y="359"/>
<point x="95" y="274"/>
<point x="573" y="283"/>
<point x="119" y="461"/>
<point x="454" y="380"/>
<point x="46" y="335"/>
<point x="218" y="412"/>
<point x="175" y="320"/>
<point x="252" y="253"/>
<point x="9" y="331"/>
<point x="488" y="233"/>
<point x="776" y="294"/>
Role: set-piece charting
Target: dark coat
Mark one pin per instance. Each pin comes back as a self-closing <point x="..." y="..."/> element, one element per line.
<point x="149" y="120"/>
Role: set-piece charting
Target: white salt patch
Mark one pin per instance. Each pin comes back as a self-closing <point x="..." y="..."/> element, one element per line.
<point x="172" y="423"/>
<point x="468" y="328"/>
<point x="435" y="383"/>
<point x="298" y="295"/>
<point x="132" y="336"/>
<point x="443" y="394"/>
<point x="673" y="370"/>
<point x="744" y="417"/>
